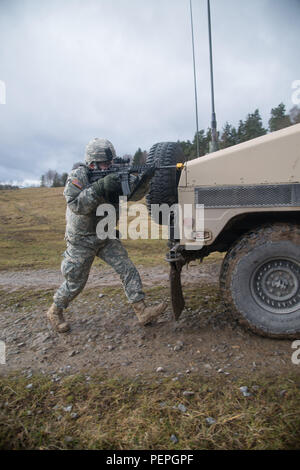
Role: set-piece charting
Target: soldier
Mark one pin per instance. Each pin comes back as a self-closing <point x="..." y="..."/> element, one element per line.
<point x="83" y="244"/>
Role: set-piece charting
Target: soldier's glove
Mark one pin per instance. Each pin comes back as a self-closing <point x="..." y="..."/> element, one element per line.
<point x="113" y="188"/>
<point x="99" y="187"/>
<point x="112" y="184"/>
<point x="108" y="186"/>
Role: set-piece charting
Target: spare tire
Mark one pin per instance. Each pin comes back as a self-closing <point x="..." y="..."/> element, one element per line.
<point x="163" y="186"/>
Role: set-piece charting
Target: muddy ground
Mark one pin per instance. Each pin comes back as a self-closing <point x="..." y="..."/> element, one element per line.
<point x="105" y="333"/>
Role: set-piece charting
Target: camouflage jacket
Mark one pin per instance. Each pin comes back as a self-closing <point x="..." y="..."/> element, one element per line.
<point x="82" y="202"/>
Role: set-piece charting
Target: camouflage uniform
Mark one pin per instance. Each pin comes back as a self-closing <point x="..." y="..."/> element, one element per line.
<point x="83" y="244"/>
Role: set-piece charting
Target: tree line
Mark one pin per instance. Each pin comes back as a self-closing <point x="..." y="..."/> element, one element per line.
<point x="8" y="186"/>
<point x="247" y="129"/>
<point x="53" y="179"/>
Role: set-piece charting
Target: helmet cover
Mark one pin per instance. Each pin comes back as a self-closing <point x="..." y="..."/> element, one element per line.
<point x="99" y="150"/>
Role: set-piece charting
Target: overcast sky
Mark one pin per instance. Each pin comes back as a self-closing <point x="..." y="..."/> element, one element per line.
<point x="122" y="69"/>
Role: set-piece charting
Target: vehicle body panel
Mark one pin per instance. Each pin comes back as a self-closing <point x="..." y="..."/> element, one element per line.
<point x="260" y="175"/>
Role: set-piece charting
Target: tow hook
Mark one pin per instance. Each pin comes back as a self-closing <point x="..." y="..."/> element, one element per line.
<point x="173" y="255"/>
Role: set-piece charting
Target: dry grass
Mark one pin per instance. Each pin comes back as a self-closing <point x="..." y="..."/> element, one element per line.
<point x="32" y="231"/>
<point x="32" y="227"/>
<point x="143" y="413"/>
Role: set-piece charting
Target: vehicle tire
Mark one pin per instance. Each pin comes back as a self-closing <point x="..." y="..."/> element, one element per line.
<point x="163" y="186"/>
<point x="260" y="280"/>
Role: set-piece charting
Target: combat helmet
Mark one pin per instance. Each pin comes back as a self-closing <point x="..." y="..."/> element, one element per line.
<point x="99" y="150"/>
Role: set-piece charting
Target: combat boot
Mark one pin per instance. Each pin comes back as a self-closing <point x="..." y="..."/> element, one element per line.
<point x="56" y="318"/>
<point x="148" y="314"/>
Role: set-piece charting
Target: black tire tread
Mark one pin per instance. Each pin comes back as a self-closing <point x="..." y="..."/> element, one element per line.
<point x="163" y="187"/>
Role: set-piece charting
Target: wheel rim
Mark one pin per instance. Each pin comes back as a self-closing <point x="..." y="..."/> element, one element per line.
<point x="275" y="285"/>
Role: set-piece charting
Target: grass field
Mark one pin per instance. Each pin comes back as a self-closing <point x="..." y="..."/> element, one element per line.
<point x="32" y="231"/>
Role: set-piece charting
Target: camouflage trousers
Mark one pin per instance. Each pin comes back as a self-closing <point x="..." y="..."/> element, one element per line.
<point x="76" y="267"/>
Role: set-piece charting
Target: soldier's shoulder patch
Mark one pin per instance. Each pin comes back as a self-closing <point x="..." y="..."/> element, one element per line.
<point x="76" y="183"/>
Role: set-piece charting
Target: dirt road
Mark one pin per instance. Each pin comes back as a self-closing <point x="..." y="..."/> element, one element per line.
<point x="101" y="276"/>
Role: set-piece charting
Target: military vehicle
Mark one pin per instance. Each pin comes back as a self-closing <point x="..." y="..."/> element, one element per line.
<point x="251" y="198"/>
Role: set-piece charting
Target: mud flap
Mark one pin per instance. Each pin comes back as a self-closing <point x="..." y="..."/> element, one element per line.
<point x="177" y="298"/>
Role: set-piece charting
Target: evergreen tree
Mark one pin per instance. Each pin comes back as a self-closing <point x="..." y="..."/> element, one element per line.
<point x="190" y="148"/>
<point x="229" y="136"/>
<point x="251" y="128"/>
<point x="241" y="132"/>
<point x="139" y="157"/>
<point x="187" y="149"/>
<point x="279" y="119"/>
<point x="42" y="183"/>
<point x="204" y="139"/>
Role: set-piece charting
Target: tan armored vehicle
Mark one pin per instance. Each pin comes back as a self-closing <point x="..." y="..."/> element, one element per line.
<point x="251" y="198"/>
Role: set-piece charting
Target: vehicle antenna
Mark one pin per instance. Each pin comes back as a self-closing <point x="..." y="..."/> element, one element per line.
<point x="214" y="137"/>
<point x="195" y="79"/>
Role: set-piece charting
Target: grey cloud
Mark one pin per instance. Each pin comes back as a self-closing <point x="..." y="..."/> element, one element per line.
<point x="122" y="70"/>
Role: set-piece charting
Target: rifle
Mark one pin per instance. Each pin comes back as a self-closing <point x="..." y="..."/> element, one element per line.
<point x="143" y="175"/>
